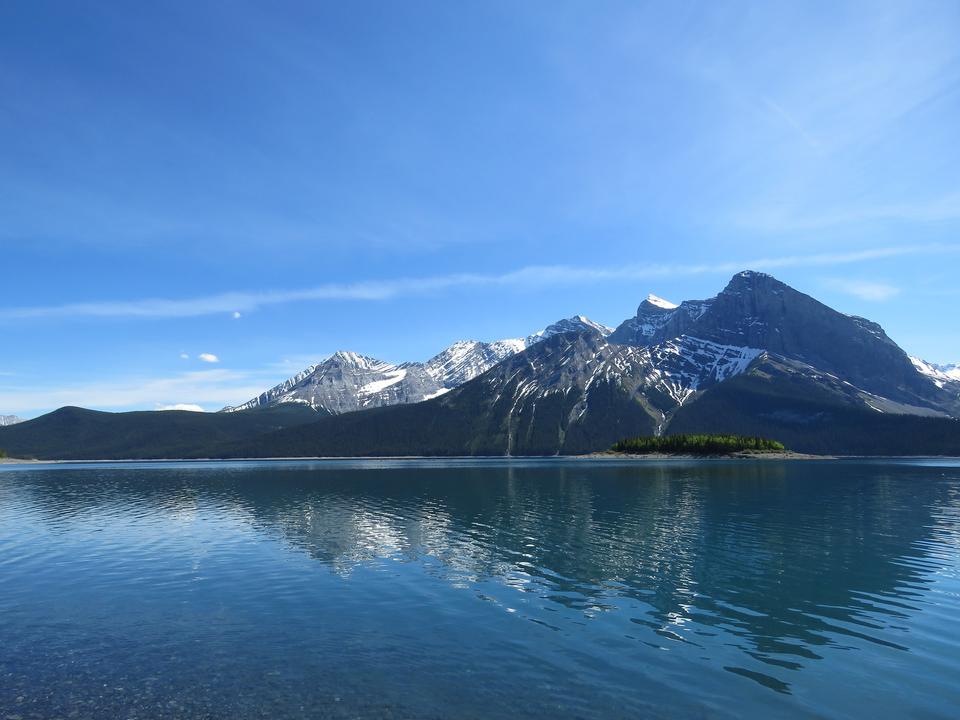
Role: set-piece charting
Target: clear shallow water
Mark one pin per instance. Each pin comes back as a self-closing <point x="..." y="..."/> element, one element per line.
<point x="481" y="589"/>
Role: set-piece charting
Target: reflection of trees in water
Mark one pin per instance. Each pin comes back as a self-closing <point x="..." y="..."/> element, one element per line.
<point x="782" y="555"/>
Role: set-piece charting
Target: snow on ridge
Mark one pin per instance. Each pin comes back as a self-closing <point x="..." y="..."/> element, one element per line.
<point x="940" y="374"/>
<point x="438" y="393"/>
<point x="573" y="324"/>
<point x="685" y="364"/>
<point x="661" y="303"/>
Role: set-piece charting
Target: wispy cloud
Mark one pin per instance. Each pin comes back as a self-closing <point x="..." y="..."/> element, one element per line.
<point x="208" y="358"/>
<point x="211" y="389"/>
<point x="793" y="123"/>
<point x="773" y="219"/>
<point x="535" y="276"/>
<point x="864" y="289"/>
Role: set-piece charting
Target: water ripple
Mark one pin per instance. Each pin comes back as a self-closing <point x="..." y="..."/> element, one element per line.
<point x="393" y="589"/>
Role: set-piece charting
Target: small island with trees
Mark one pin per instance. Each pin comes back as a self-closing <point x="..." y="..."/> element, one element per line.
<point x="701" y="446"/>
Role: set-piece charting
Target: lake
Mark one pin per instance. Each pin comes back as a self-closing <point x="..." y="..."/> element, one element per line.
<point x="481" y="589"/>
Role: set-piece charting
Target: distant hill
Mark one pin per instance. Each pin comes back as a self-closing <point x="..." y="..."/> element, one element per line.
<point x="79" y="434"/>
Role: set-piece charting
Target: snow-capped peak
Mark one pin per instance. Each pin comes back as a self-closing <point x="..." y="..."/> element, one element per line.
<point x="577" y="323"/>
<point x="661" y="303"/>
<point x="587" y="322"/>
<point x="940" y="374"/>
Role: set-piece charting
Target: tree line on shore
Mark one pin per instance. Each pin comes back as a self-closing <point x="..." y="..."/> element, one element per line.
<point x="696" y="445"/>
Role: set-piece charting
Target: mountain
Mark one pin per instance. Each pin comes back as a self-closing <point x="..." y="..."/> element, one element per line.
<point x="79" y="434"/>
<point x="571" y="393"/>
<point x="347" y="382"/>
<point x="9" y="420"/>
<point x="760" y="358"/>
<point x="756" y="310"/>
<point x="810" y="411"/>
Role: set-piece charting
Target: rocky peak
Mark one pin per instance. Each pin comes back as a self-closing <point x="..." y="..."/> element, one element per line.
<point x="353" y="360"/>
<point x="751" y="278"/>
<point x="577" y="323"/>
<point x="655" y="320"/>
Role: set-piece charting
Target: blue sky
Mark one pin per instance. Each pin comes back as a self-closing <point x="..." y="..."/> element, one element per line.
<point x="267" y="183"/>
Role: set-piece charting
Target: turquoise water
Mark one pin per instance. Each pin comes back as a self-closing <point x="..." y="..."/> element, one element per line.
<point x="481" y="589"/>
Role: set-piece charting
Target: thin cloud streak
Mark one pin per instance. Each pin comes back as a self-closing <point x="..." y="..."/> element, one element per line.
<point x="533" y="276"/>
<point x="865" y="289"/>
<point x="780" y="220"/>
<point x="791" y="121"/>
<point x="210" y="388"/>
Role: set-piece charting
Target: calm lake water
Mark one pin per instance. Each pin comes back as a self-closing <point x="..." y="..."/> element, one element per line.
<point x="481" y="589"/>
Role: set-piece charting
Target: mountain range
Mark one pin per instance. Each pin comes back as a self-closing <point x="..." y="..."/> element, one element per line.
<point x="759" y="358"/>
<point x="347" y="381"/>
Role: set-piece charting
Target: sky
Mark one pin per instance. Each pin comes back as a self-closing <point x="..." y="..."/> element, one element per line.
<point x="198" y="200"/>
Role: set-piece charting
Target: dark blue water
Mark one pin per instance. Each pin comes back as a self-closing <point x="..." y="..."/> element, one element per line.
<point x="560" y="589"/>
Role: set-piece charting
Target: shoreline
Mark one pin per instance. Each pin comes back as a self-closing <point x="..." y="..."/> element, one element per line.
<point x="604" y="456"/>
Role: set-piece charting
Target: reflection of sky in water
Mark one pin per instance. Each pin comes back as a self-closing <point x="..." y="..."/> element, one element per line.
<point x="807" y="579"/>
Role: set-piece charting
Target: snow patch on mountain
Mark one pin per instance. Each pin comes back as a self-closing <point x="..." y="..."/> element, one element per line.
<point x="940" y="374"/>
<point x="392" y="377"/>
<point x="467" y="359"/>
<point x="688" y="364"/>
<point x="9" y="420"/>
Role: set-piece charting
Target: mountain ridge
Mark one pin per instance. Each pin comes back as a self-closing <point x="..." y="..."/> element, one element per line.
<point x="348" y="381"/>
<point x="759" y="358"/>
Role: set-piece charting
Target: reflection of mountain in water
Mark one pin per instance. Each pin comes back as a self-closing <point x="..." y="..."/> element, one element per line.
<point x="784" y="557"/>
